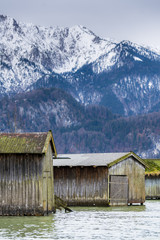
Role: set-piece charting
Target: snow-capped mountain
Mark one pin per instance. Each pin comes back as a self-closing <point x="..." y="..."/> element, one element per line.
<point x="126" y="80"/>
<point x="27" y="52"/>
<point x="123" y="76"/>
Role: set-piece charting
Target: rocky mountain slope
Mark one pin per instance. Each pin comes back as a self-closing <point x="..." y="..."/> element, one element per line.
<point x="120" y="75"/>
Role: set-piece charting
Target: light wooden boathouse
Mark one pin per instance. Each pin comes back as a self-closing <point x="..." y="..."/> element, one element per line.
<point x="100" y="179"/>
<point x="152" y="179"/>
<point x="26" y="173"/>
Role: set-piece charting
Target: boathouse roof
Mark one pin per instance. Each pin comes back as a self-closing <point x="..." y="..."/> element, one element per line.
<point x="30" y="143"/>
<point x="94" y="159"/>
<point x="154" y="167"/>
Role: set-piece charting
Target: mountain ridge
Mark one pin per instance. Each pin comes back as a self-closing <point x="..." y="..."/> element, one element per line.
<point x="93" y="70"/>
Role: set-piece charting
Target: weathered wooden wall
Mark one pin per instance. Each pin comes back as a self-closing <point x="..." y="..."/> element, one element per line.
<point x="26" y="184"/>
<point x="21" y="184"/>
<point x="152" y="187"/>
<point x="86" y="186"/>
<point x="48" y="186"/>
<point x="136" y="178"/>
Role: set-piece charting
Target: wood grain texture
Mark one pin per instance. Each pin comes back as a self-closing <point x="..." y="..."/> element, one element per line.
<point x="152" y="187"/>
<point x="118" y="190"/>
<point x="26" y="182"/>
<point x="81" y="186"/>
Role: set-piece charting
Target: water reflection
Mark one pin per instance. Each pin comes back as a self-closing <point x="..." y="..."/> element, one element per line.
<point x="26" y="227"/>
<point x="121" y="223"/>
<point x="135" y="208"/>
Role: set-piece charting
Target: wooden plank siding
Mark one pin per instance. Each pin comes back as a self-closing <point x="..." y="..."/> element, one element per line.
<point x="82" y="186"/>
<point x="136" y="178"/>
<point x="26" y="173"/>
<point x="21" y="177"/>
<point x="152" y="187"/>
<point x="48" y="187"/>
<point x="19" y="191"/>
<point x="152" y="179"/>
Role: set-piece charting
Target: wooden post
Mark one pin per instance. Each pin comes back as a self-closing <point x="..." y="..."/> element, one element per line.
<point x="108" y="188"/>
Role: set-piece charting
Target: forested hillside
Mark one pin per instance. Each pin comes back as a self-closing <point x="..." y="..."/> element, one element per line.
<point x="77" y="128"/>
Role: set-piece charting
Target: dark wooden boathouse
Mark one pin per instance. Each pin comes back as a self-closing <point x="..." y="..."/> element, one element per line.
<point x="26" y="173"/>
<point x="100" y="179"/>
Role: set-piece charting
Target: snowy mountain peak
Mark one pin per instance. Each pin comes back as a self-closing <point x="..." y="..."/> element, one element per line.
<point x="28" y="51"/>
<point x="92" y="69"/>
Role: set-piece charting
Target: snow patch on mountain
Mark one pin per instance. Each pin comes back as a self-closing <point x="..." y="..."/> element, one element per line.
<point x="89" y="97"/>
<point x="154" y="151"/>
<point x="61" y="112"/>
<point x="137" y="92"/>
<point x="137" y="59"/>
<point x="105" y="63"/>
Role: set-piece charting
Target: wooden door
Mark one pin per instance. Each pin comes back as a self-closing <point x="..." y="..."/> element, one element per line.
<point x="118" y="190"/>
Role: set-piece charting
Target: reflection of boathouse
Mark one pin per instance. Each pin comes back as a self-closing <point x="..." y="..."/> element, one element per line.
<point x="100" y="179"/>
<point x="152" y="179"/>
<point x="26" y="173"/>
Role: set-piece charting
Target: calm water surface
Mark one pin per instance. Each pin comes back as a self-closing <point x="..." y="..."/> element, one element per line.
<point x="132" y="222"/>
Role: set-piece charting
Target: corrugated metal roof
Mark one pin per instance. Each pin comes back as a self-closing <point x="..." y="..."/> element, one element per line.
<point x="89" y="159"/>
<point x="23" y="142"/>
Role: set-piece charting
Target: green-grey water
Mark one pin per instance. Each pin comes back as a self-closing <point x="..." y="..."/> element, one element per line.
<point x="132" y="222"/>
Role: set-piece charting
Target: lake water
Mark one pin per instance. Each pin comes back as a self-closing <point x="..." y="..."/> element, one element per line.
<point x="132" y="222"/>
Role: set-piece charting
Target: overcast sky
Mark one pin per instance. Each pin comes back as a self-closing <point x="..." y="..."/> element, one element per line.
<point x="134" y="20"/>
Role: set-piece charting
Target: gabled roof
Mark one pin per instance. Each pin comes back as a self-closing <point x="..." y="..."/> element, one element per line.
<point x="31" y="143"/>
<point x="93" y="159"/>
<point x="127" y="155"/>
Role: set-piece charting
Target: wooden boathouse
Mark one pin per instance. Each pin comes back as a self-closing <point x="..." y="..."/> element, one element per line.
<point x="100" y="179"/>
<point x="26" y="173"/>
<point x="152" y="179"/>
